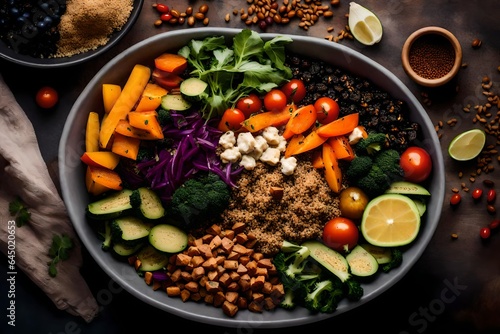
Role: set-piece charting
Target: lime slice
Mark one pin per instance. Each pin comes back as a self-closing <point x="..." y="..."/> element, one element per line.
<point x="365" y="26"/>
<point x="467" y="145"/>
<point x="390" y="220"/>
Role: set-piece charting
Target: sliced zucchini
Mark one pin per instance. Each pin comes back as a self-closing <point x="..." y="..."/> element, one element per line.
<point x="147" y="203"/>
<point x="111" y="206"/>
<point x="151" y="259"/>
<point x="192" y="88"/>
<point x="122" y="249"/>
<point x="361" y="262"/>
<point x="174" y="102"/>
<point x="130" y="230"/>
<point x="168" y="238"/>
<point x="332" y="260"/>
<point x="381" y="254"/>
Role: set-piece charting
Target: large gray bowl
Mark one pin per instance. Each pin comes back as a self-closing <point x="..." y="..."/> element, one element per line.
<point x="117" y="70"/>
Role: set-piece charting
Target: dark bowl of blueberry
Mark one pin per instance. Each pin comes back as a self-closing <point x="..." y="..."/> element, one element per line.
<point x="58" y="33"/>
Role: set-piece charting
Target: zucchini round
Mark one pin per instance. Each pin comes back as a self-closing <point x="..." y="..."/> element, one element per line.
<point x="151" y="259"/>
<point x="361" y="262"/>
<point x="168" y="238"/>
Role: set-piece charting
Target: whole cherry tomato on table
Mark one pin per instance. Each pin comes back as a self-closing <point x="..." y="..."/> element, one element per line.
<point x="295" y="90"/>
<point x="249" y="104"/>
<point x="340" y="234"/>
<point x="416" y="164"/>
<point x="327" y="109"/>
<point x="275" y="99"/>
<point x="46" y="97"/>
<point x="231" y="120"/>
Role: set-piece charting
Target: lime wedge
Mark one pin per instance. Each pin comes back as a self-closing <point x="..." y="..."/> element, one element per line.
<point x="364" y="24"/>
<point x="467" y="145"/>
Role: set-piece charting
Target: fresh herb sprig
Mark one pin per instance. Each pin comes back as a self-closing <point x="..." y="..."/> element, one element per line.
<point x="19" y="211"/>
<point x="59" y="250"/>
<point x="231" y="72"/>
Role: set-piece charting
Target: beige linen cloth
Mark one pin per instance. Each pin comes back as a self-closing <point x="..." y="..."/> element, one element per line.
<point x="24" y="174"/>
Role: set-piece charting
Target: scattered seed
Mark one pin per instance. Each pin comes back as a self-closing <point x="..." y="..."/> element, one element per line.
<point x="476" y="43"/>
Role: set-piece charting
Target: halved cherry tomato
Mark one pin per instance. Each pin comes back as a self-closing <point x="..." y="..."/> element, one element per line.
<point x="275" y="99"/>
<point x="249" y="104"/>
<point x="295" y="90"/>
<point x="231" y="120"/>
<point x="416" y="164"/>
<point x="327" y="108"/>
<point x="340" y="234"/>
<point x="46" y="97"/>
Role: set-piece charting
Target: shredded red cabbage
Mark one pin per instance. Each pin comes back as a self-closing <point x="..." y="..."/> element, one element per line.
<point x="194" y="144"/>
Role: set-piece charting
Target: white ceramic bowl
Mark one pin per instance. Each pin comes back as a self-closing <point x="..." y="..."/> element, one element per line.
<point x="117" y="70"/>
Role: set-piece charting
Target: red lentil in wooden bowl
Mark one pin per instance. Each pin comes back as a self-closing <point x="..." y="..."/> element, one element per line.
<point x="431" y="56"/>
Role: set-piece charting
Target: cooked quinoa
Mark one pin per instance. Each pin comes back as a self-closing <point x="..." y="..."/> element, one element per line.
<point x="307" y="204"/>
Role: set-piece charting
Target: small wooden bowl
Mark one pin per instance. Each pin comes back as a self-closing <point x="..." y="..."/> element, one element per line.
<point x="448" y="37"/>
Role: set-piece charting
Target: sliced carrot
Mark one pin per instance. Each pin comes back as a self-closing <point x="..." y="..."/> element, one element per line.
<point x="124" y="128"/>
<point x="93" y="187"/>
<point x="266" y="119"/>
<point x="341" y="147"/>
<point x="300" y="121"/>
<point x="104" y="177"/>
<point x="92" y="132"/>
<point x="333" y="173"/>
<point x="125" y="146"/>
<point x="293" y="144"/>
<point x="340" y="126"/>
<point x="104" y="159"/>
<point x="110" y="94"/>
<point x="129" y="96"/>
<point x="171" y="62"/>
<point x="317" y="159"/>
<point x="310" y="142"/>
<point x="151" y="97"/>
<point x="146" y="120"/>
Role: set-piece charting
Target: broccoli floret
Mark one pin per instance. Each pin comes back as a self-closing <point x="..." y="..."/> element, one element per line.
<point x="200" y="199"/>
<point x="373" y="143"/>
<point x="388" y="161"/>
<point x="106" y="243"/>
<point x="396" y="260"/>
<point x="164" y="116"/>
<point x="354" y="290"/>
<point x="359" y="167"/>
<point x="324" y="296"/>
<point x="288" y="302"/>
<point x="375" y="182"/>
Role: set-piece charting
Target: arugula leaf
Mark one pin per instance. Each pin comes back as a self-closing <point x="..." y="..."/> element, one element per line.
<point x="233" y="71"/>
<point x="18" y="210"/>
<point x="59" y="250"/>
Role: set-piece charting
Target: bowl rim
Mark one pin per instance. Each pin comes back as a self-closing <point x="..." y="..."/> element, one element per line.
<point x="67" y="160"/>
<point x="50" y="63"/>
<point x="428" y="31"/>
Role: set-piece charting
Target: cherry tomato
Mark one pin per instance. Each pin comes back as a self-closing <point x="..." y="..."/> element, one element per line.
<point x="491" y="196"/>
<point x="340" y="234"/>
<point x="485" y="232"/>
<point x="295" y="90"/>
<point x="327" y="109"/>
<point x="275" y="99"/>
<point x="455" y="199"/>
<point x="352" y="202"/>
<point x="231" y="120"/>
<point x="46" y="97"/>
<point x="165" y="17"/>
<point x="162" y="8"/>
<point x="249" y="104"/>
<point x="416" y="164"/>
<point x="477" y="193"/>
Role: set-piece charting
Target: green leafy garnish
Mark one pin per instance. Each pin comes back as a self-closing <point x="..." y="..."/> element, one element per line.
<point x="232" y="72"/>
<point x="59" y="250"/>
<point x="18" y="210"/>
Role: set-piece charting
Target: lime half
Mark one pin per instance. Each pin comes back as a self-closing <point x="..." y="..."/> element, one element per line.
<point x="467" y="145"/>
<point x="390" y="220"/>
<point x="364" y="24"/>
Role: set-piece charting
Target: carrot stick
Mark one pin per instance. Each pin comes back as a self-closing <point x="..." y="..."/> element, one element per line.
<point x="317" y="159"/>
<point x="124" y="128"/>
<point x="105" y="159"/>
<point x="146" y="120"/>
<point x="125" y="146"/>
<point x="92" y="132"/>
<point x="333" y="173"/>
<point x="300" y="121"/>
<point x="110" y="94"/>
<point x="104" y="177"/>
<point x="311" y="141"/>
<point x="151" y="97"/>
<point x="266" y="119"/>
<point x="131" y="92"/>
<point x="171" y="62"/>
<point x="341" y="147"/>
<point x="340" y="126"/>
<point x="293" y="144"/>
